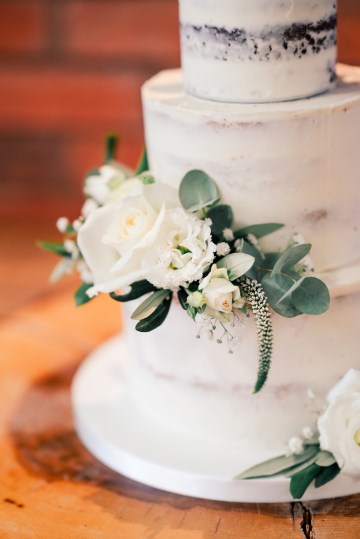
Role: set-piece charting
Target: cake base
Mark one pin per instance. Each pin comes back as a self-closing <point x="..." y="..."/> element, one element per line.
<point x="118" y="434"/>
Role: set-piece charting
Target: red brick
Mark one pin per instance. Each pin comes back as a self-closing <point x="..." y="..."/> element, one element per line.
<point x="349" y="40"/>
<point x="23" y="26"/>
<point x="145" y="30"/>
<point x="43" y="175"/>
<point x="61" y="99"/>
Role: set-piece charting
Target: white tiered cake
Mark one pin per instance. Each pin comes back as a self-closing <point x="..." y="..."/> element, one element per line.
<point x="274" y="160"/>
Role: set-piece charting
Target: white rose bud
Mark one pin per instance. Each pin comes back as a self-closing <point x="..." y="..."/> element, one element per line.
<point x="62" y="223"/>
<point x="196" y="299"/>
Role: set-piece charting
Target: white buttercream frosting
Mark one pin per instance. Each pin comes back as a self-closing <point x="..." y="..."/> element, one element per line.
<point x="258" y="50"/>
<point x="293" y="162"/>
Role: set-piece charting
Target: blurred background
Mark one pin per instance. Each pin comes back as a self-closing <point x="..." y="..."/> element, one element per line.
<point x="70" y="71"/>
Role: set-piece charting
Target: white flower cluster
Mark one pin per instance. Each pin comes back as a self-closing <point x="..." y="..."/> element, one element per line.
<point x="142" y="232"/>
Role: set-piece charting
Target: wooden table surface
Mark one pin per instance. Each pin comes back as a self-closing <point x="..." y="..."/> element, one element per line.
<point x="50" y="487"/>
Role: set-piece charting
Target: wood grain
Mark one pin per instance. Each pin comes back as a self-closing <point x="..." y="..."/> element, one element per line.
<point x="50" y="486"/>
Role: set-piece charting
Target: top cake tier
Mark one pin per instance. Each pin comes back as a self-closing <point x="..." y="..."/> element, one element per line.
<point x="258" y="51"/>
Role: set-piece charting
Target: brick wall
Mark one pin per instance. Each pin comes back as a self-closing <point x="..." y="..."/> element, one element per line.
<point x="70" y="70"/>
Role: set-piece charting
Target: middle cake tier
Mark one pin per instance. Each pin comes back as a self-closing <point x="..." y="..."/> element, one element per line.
<point x="295" y="163"/>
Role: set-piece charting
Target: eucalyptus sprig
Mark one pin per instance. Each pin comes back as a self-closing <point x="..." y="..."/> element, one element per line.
<point x="311" y="464"/>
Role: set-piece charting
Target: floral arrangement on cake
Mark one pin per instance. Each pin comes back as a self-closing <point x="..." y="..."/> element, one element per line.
<point x="319" y="455"/>
<point x="137" y="237"/>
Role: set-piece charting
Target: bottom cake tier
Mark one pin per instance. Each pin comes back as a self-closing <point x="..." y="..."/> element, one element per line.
<point x="195" y="387"/>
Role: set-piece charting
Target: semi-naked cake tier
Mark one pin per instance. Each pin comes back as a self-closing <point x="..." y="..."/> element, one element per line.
<point x="195" y="387"/>
<point x="258" y="50"/>
<point x="295" y="163"/>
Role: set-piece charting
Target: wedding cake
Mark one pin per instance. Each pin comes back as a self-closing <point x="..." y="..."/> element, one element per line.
<point x="261" y="108"/>
<point x="294" y="161"/>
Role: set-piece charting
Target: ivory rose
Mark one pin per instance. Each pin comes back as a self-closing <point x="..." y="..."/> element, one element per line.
<point x="116" y="237"/>
<point x="220" y="294"/>
<point x="339" y="426"/>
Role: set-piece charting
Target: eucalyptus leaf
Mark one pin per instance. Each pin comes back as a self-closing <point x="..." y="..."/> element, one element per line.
<point x="255" y="271"/>
<point x="325" y="459"/>
<point x="156" y="318"/>
<point x="301" y="467"/>
<point x="197" y="191"/>
<point x="291" y="257"/>
<point x="54" y="247"/>
<point x="237" y="264"/>
<point x="259" y="231"/>
<point x="143" y="164"/>
<point x="138" y="289"/>
<point x="147" y="307"/>
<point x="276" y="290"/>
<point x="326" y="475"/>
<point x="222" y="217"/>
<point x="311" y="296"/>
<point x="278" y="465"/>
<point x="81" y="296"/>
<point x="300" y="481"/>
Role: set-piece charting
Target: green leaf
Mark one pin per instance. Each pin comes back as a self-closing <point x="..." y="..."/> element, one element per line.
<point x="277" y="292"/>
<point x="290" y="257"/>
<point x="237" y="264"/>
<point x="325" y="459"/>
<point x="81" y="296"/>
<point x="138" y="289"/>
<point x="222" y="217"/>
<point x="143" y="165"/>
<point x="146" y="178"/>
<point x="197" y="191"/>
<point x="54" y="247"/>
<point x="182" y="295"/>
<point x="258" y="231"/>
<point x="311" y="296"/>
<point x="147" y="307"/>
<point x="156" y="318"/>
<point x="326" y="475"/>
<point x="278" y="465"/>
<point x="111" y="145"/>
<point x="301" y="480"/>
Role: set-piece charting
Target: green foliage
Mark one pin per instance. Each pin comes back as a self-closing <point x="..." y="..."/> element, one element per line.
<point x="237" y="264"/>
<point x="138" y="289"/>
<point x="311" y="296"/>
<point x="277" y="290"/>
<point x="259" y="231"/>
<point x="326" y="475"/>
<point x="55" y="247"/>
<point x="182" y="295"/>
<point x="146" y="178"/>
<point x="143" y="165"/>
<point x="156" y="318"/>
<point x="279" y="465"/>
<point x="222" y="217"/>
<point x="147" y="307"/>
<point x="81" y="296"/>
<point x="111" y="144"/>
<point x="302" y="468"/>
<point x="302" y="480"/>
<point x="197" y="191"/>
<point x="289" y="258"/>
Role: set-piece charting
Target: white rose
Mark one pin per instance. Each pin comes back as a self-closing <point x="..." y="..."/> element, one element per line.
<point x="115" y="238"/>
<point x="98" y="187"/>
<point x="184" y="251"/>
<point x="339" y="426"/>
<point x="220" y="294"/>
